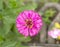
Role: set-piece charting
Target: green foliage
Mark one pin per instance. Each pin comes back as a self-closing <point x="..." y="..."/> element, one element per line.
<point x="9" y="10"/>
<point x="56" y="1"/>
<point x="1" y="5"/>
<point x="48" y="15"/>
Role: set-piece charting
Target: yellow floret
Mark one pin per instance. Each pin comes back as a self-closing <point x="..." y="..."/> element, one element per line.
<point x="57" y="25"/>
<point x="58" y="37"/>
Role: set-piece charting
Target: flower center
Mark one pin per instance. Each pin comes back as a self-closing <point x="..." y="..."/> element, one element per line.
<point x="29" y="23"/>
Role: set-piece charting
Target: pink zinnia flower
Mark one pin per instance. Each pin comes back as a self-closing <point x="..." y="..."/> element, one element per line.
<point x="29" y="23"/>
<point x="55" y="33"/>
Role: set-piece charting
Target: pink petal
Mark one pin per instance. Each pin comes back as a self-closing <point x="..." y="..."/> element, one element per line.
<point x="19" y="22"/>
<point x="28" y="15"/>
<point x="54" y="36"/>
<point x="18" y="25"/>
<point x="24" y="15"/>
<point x="33" y="15"/>
<point x="24" y="32"/>
<point x="33" y="32"/>
<point x="20" y="18"/>
<point x="36" y="22"/>
<point x="21" y="28"/>
<point x="38" y="25"/>
<point x="53" y="33"/>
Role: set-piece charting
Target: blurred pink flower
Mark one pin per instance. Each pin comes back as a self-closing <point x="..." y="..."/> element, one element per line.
<point x="29" y="23"/>
<point x="54" y="33"/>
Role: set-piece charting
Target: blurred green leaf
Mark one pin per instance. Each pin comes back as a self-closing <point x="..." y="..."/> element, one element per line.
<point x="50" y="13"/>
<point x="1" y="39"/>
<point x="23" y="39"/>
<point x="1" y="5"/>
<point x="57" y="1"/>
<point x="26" y="7"/>
<point x="7" y="21"/>
<point x="0" y="16"/>
<point x="9" y="44"/>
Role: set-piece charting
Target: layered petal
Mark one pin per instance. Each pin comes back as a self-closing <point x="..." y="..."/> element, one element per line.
<point x="33" y="32"/>
<point x="29" y="23"/>
<point x="54" y="33"/>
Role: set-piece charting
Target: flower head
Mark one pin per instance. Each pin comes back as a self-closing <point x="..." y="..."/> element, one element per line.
<point x="55" y="33"/>
<point x="29" y="23"/>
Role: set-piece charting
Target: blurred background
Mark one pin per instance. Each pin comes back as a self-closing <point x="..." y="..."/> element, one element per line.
<point x="9" y="10"/>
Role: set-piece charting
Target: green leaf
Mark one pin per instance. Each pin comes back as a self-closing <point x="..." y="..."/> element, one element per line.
<point x="9" y="44"/>
<point x="1" y="5"/>
<point x="21" y="45"/>
<point x="24" y="39"/>
<point x="1" y="16"/>
<point x="9" y="36"/>
<point x="26" y="7"/>
<point x="54" y="1"/>
<point x="1" y="39"/>
<point x="7" y="24"/>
